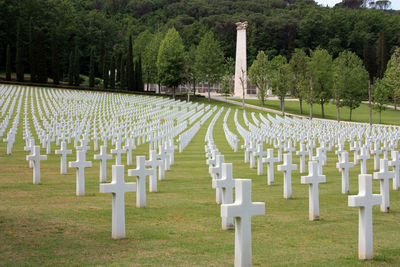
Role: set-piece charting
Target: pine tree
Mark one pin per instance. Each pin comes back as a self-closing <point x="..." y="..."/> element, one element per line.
<point x="122" y="74"/>
<point x="105" y="75"/>
<point x="118" y="67"/>
<point x="140" y="75"/>
<point x="76" y="65"/>
<point x="381" y="56"/>
<point x="91" y="68"/>
<point x="32" y="56"/>
<point x="40" y="58"/>
<point x="101" y="54"/>
<point x="54" y="61"/>
<point x="129" y="67"/>
<point x="71" y="69"/>
<point x="112" y="73"/>
<point x="19" y="57"/>
<point x="8" y="64"/>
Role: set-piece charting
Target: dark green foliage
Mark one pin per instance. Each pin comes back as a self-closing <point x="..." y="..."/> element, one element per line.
<point x="122" y="73"/>
<point x="76" y="64"/>
<point x="32" y="56"/>
<point x="19" y="58"/>
<point x="71" y="69"/>
<point x="112" y="73"/>
<point x="105" y="76"/>
<point x="139" y="75"/>
<point x="54" y="60"/>
<point x="91" y="68"/>
<point x="8" y="64"/>
<point x="40" y="55"/>
<point x="130" y="75"/>
<point x="101" y="54"/>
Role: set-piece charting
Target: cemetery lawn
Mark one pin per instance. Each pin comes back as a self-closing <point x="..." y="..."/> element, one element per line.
<point x="47" y="225"/>
<point x="360" y="114"/>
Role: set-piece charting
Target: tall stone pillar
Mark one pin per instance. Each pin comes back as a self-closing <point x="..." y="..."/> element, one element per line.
<point x="241" y="60"/>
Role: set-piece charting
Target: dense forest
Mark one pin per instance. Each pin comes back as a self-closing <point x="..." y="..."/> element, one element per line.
<point x="275" y="26"/>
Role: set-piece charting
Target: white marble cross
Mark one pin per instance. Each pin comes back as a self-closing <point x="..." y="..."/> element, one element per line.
<point x="270" y="160"/>
<point x="161" y="168"/>
<point x="246" y="151"/>
<point x="259" y="154"/>
<point x="313" y="179"/>
<point x="287" y="167"/>
<point x="365" y="200"/>
<point x="289" y="147"/>
<point x="363" y="157"/>
<point x="118" y="151"/>
<point x="30" y="147"/>
<point x="344" y="165"/>
<point x="242" y="210"/>
<point x="36" y="158"/>
<point x="376" y="151"/>
<point x="320" y="158"/>
<point x="103" y="157"/>
<point x="252" y="150"/>
<point x="302" y="153"/>
<point x="153" y="162"/>
<point x="384" y="175"/>
<point x="140" y="172"/>
<point x="215" y="172"/>
<point x="395" y="163"/>
<point x="118" y="188"/>
<point x="130" y="145"/>
<point x="80" y="164"/>
<point x="63" y="151"/>
<point x="226" y="183"/>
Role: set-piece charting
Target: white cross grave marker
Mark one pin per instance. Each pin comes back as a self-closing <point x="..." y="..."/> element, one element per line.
<point x="384" y="175"/>
<point x="63" y="151"/>
<point x="140" y="172"/>
<point x="395" y="163"/>
<point x="36" y="158"/>
<point x="80" y="164"/>
<point x="103" y="157"/>
<point x="302" y="153"/>
<point x="118" y="151"/>
<point x="270" y="160"/>
<point x="365" y="200"/>
<point x="287" y="167"/>
<point x="313" y="179"/>
<point x="363" y="157"/>
<point x="344" y="165"/>
<point x="242" y="210"/>
<point x="118" y="188"/>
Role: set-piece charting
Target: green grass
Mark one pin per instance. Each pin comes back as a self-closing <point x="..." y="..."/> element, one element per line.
<point x="47" y="225"/>
<point x="360" y="114"/>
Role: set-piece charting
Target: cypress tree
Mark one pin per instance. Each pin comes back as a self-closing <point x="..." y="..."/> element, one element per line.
<point x="105" y="75"/>
<point x="101" y="54"/>
<point x="40" y="58"/>
<point x="118" y="67"/>
<point x="54" y="61"/>
<point x="139" y="75"/>
<point x="112" y="73"/>
<point x="76" y="65"/>
<point x="122" y="74"/>
<point x="381" y="57"/>
<point x="19" y="57"/>
<point x="32" y="56"/>
<point x="129" y="67"/>
<point x="91" y="68"/>
<point x="8" y="64"/>
<point x="71" y="69"/>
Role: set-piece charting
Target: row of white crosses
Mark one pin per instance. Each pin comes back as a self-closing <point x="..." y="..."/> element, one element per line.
<point x="63" y="117"/>
<point x="243" y="208"/>
<point x="365" y="200"/>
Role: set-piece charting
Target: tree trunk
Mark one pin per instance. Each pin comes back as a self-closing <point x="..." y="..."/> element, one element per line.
<point x="380" y="116"/>
<point x="370" y="102"/>
<point x="173" y="93"/>
<point x="283" y="106"/>
<point x="311" y="97"/>
<point x="148" y="81"/>
<point x="322" y="110"/>
<point x="350" y="112"/>
<point x="208" y="88"/>
<point x="194" y="87"/>
<point x="395" y="105"/>
<point x="243" y="99"/>
<point x="301" y="105"/>
<point x="337" y="102"/>
<point x="159" y="88"/>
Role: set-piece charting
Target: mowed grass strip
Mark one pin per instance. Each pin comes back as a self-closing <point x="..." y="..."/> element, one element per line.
<point x="48" y="225"/>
